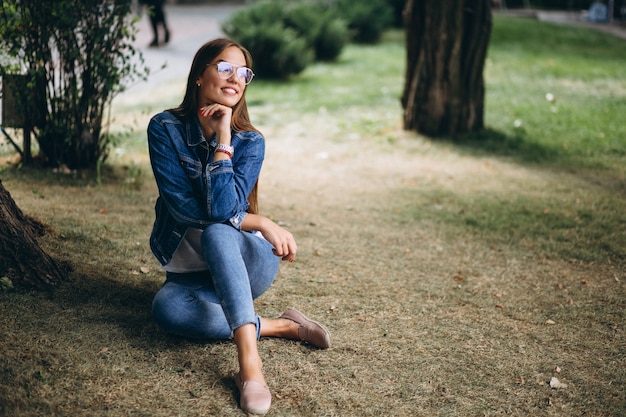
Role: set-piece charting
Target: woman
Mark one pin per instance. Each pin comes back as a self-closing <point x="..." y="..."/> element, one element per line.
<point x="219" y="254"/>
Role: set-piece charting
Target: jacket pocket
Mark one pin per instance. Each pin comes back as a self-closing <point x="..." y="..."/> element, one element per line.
<point x="192" y="167"/>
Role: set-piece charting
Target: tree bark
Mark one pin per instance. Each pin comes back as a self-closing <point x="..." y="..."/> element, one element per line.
<point x="21" y="258"/>
<point x="446" y="44"/>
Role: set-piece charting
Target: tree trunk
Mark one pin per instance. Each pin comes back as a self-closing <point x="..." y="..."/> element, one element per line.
<point x="21" y="258"/>
<point x="446" y="43"/>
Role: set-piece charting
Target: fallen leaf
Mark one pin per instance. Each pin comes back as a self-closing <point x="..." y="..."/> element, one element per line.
<point x="550" y="322"/>
<point x="499" y="305"/>
<point x="556" y="384"/>
<point x="557" y="369"/>
<point x="458" y="278"/>
<point x="145" y="269"/>
<point x="6" y="284"/>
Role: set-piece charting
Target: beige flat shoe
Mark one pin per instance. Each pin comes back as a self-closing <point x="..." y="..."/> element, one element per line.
<point x="309" y="331"/>
<point x="254" y="396"/>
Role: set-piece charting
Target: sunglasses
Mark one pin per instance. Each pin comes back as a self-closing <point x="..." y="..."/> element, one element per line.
<point x="226" y="70"/>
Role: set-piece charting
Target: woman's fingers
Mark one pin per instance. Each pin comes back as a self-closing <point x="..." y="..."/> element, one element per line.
<point x="218" y="117"/>
<point x="214" y="109"/>
<point x="286" y="249"/>
<point x="289" y="250"/>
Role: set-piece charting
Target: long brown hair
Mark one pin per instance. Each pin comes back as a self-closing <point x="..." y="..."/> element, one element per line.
<point x="188" y="108"/>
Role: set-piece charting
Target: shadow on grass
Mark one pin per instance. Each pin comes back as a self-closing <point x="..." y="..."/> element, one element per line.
<point x="604" y="172"/>
<point x="119" y="305"/>
<point x="517" y="147"/>
<point x="584" y="223"/>
<point x="91" y="335"/>
<point x="550" y="225"/>
<point x="110" y="302"/>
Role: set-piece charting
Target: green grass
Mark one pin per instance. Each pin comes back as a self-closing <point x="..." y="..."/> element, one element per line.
<point x="584" y="71"/>
<point x="363" y="77"/>
<point x="577" y="224"/>
<point x="582" y="131"/>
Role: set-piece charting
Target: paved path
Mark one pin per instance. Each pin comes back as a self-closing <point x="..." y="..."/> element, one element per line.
<point x="190" y="27"/>
<point x="568" y="18"/>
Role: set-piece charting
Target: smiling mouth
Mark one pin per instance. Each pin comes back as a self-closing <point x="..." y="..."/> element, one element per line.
<point x="229" y="90"/>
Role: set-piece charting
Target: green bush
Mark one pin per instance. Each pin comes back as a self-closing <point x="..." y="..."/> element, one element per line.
<point x="332" y="38"/>
<point x="74" y="56"/>
<point x="279" y="52"/>
<point x="366" y="19"/>
<point x="324" y="32"/>
<point x="285" y="37"/>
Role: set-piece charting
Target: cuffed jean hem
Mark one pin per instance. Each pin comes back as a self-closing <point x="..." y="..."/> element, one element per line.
<point x="257" y="324"/>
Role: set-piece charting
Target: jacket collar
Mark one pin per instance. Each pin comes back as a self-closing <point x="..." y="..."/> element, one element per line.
<point x="194" y="133"/>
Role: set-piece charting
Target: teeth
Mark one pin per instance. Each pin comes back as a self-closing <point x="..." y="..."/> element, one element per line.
<point x="230" y="91"/>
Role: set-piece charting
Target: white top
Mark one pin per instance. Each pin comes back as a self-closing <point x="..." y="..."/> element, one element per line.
<point x="188" y="256"/>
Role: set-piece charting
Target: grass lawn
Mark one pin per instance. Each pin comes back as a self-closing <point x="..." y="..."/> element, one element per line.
<point x="459" y="276"/>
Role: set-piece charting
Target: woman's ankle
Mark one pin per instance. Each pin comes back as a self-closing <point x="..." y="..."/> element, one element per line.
<point x="251" y="368"/>
<point x="282" y="328"/>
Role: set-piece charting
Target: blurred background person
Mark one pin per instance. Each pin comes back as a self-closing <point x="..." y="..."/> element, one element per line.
<point x="156" y="12"/>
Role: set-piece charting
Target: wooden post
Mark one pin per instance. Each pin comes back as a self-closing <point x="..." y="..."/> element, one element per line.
<point x="13" y="117"/>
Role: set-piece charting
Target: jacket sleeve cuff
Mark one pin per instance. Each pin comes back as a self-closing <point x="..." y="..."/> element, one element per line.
<point x="237" y="219"/>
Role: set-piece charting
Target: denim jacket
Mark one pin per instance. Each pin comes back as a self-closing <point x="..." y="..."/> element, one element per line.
<point x="195" y="191"/>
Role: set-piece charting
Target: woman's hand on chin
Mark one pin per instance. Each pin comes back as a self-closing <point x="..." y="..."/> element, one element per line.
<point x="218" y="118"/>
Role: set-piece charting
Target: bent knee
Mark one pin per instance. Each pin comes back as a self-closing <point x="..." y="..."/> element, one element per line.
<point x="167" y="312"/>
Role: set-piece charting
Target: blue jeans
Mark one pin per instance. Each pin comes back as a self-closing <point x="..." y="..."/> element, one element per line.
<point x="212" y="304"/>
